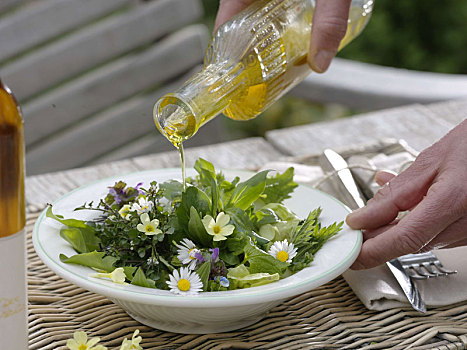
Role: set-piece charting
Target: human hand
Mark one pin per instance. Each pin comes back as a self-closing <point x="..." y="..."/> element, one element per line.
<point x="329" y="27"/>
<point x="434" y="189"/>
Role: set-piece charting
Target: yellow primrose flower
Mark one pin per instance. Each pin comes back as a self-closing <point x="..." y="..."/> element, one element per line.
<point x="80" y="342"/>
<point x="147" y="226"/>
<point x="218" y="228"/>
<point x="117" y="275"/>
<point x="125" y="211"/>
<point x="132" y="344"/>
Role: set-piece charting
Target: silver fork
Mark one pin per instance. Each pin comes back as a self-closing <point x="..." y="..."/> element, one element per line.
<point x="422" y="266"/>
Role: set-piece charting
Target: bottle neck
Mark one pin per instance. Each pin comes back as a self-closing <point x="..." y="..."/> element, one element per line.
<point x="179" y="115"/>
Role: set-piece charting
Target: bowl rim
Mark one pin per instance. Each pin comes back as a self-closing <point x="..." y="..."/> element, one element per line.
<point x="239" y="297"/>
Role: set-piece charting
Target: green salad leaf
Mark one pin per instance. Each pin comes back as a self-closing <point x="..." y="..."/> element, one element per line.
<point x="96" y="260"/>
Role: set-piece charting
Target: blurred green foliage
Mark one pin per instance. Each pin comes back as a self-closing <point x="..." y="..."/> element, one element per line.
<point x="429" y="35"/>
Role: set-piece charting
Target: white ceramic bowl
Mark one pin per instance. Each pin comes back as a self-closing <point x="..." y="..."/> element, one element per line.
<point x="209" y="312"/>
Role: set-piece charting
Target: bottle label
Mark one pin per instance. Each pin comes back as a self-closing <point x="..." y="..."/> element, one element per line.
<point x="13" y="292"/>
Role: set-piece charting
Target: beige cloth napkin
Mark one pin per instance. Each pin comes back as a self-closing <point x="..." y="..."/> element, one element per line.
<point x="377" y="288"/>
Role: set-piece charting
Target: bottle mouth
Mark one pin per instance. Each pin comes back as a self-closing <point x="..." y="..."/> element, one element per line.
<point x="174" y="119"/>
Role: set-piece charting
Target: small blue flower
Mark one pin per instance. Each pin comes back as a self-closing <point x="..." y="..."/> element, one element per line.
<point x="223" y="281"/>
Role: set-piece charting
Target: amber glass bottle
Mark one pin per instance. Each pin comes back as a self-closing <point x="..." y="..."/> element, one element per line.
<point x="13" y="300"/>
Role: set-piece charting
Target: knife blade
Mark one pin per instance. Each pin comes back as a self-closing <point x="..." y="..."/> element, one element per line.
<point x="347" y="187"/>
<point x="345" y="184"/>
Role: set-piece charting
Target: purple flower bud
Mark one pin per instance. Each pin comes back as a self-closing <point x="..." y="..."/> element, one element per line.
<point x="137" y="188"/>
<point x="215" y="254"/>
<point x="199" y="257"/>
<point x="114" y="193"/>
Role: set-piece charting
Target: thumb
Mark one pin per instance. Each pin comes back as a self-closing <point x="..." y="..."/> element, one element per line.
<point x="401" y="193"/>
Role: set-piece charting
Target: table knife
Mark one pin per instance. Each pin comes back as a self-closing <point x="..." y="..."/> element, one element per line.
<point x="332" y="161"/>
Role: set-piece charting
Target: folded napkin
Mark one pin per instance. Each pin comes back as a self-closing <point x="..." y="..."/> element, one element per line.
<point x="377" y="288"/>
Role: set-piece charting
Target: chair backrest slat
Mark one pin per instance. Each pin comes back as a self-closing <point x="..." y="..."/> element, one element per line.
<point x="112" y="83"/>
<point x="96" y="44"/>
<point x="41" y="21"/>
<point x="88" y="72"/>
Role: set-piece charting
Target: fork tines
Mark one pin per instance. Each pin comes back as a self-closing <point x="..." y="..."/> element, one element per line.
<point x="424" y="266"/>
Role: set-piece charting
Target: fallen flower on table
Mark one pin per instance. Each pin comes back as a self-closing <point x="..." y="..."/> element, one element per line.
<point x="80" y="342"/>
<point x="132" y="344"/>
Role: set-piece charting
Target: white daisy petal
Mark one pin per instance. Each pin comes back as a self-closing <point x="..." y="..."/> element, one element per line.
<point x="185" y="282"/>
<point x="283" y="251"/>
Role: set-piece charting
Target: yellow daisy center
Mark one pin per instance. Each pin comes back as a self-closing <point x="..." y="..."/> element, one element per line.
<point x="217" y="229"/>
<point x="189" y="254"/>
<point x="184" y="285"/>
<point x="282" y="256"/>
<point x="83" y="347"/>
<point x="149" y="228"/>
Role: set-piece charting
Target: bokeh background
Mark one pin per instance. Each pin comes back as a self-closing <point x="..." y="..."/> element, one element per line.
<point x="425" y="35"/>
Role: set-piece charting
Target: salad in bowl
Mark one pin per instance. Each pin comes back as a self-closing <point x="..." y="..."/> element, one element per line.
<point x="211" y="257"/>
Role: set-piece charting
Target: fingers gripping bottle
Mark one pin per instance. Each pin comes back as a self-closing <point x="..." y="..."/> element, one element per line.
<point x="252" y="60"/>
<point x="13" y="300"/>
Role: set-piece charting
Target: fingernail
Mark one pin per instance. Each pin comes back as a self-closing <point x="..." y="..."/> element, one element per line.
<point x="320" y="63"/>
<point x="350" y="219"/>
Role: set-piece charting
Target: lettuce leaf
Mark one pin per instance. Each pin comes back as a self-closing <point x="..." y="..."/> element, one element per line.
<point x="240" y="277"/>
<point x="96" y="260"/>
<point x="279" y="187"/>
<point x="247" y="192"/>
<point x="139" y="279"/>
<point x="262" y="262"/>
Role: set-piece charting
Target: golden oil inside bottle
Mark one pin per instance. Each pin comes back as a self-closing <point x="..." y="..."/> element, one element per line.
<point x="12" y="214"/>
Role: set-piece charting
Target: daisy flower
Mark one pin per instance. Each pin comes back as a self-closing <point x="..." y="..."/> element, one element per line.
<point x="80" y="342"/>
<point x="185" y="283"/>
<point x="218" y="228"/>
<point x="187" y="253"/>
<point x="142" y="206"/>
<point x="132" y="344"/>
<point x="125" y="211"/>
<point x="283" y="251"/>
<point x="147" y="226"/>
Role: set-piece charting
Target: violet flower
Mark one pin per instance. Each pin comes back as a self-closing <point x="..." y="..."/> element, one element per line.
<point x="138" y="189"/>
<point x="199" y="257"/>
<point x="215" y="254"/>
